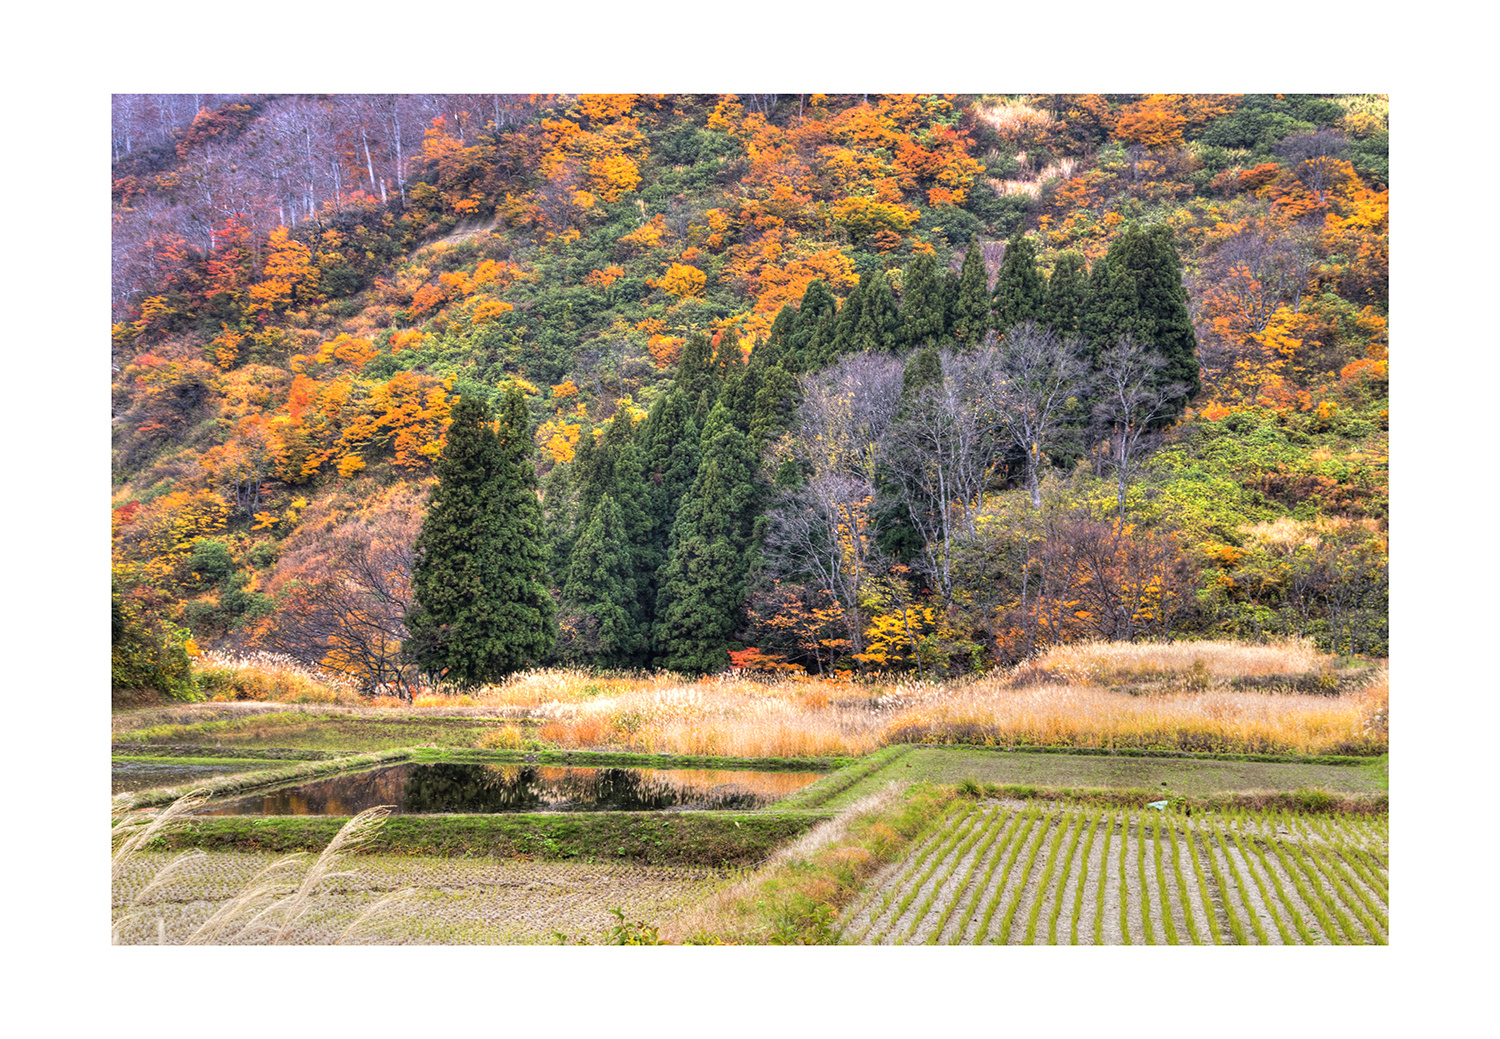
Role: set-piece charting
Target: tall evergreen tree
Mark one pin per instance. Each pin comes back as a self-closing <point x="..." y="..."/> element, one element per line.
<point x="1067" y="294"/>
<point x="1019" y="289"/>
<point x="878" y="329"/>
<point x="776" y="395"/>
<point x="949" y="279"/>
<point x="1137" y="291"/>
<point x="695" y="375"/>
<point x="971" y="310"/>
<point x="603" y="593"/>
<point x="669" y="456"/>
<point x="817" y="303"/>
<point x="841" y="337"/>
<point x="481" y="608"/>
<point x="922" y="315"/>
<point x="781" y="328"/>
<point x="703" y="582"/>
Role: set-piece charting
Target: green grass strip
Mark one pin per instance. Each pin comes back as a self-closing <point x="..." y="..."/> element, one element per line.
<point x="1223" y="837"/>
<point x="1182" y="889"/>
<point x="1318" y="900"/>
<point x="1369" y="889"/>
<point x="1161" y="880"/>
<point x="1156" y="752"/>
<point x="1092" y="825"/>
<point x="1124" y="883"/>
<point x="1062" y="883"/>
<point x="830" y="786"/>
<point x="1109" y="829"/>
<point x="1041" y="887"/>
<point x="1210" y="913"/>
<point x="992" y="830"/>
<point x="939" y="837"/>
<point x="1260" y="887"/>
<point x="955" y="857"/>
<point x="1258" y="844"/>
<point x="1365" y="866"/>
<point x="1143" y="881"/>
<point x="1326" y="859"/>
<point x="994" y="858"/>
<point x="1289" y="855"/>
<point x="1033" y="814"/>
<point x="1020" y="889"/>
<point x="952" y="834"/>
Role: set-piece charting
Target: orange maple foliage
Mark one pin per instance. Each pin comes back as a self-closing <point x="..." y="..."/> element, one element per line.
<point x="683" y="281"/>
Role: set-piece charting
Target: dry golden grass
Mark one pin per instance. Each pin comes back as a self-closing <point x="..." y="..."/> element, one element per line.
<point x="1012" y="119"/>
<point x="269" y="908"/>
<point x="1088" y="663"/>
<point x="1088" y="716"/>
<point x="1060" y="699"/>
<point x="714" y="716"/>
<point x="1032" y="188"/>
<point x="1076" y="695"/>
<point x="270" y="677"/>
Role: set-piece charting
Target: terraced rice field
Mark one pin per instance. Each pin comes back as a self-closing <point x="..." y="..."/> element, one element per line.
<point x="444" y="901"/>
<point x="1011" y="873"/>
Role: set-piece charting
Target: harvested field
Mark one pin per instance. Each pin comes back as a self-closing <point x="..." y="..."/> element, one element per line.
<point x="1011" y="873"/>
<point x="446" y="901"/>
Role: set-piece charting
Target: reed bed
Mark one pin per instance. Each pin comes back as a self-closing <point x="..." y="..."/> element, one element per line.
<point x="1107" y="663"/>
<point x="730" y="715"/>
<point x="991" y="713"/>
<point x="270" y="677"/>
<point x="1225" y="697"/>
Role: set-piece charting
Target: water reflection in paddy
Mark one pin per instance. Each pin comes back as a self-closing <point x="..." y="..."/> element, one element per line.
<point x="416" y="789"/>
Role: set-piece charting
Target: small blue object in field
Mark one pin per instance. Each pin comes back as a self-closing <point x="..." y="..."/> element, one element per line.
<point x="1160" y="806"/>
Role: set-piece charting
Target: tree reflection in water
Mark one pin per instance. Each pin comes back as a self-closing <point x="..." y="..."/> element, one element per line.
<point x="429" y="789"/>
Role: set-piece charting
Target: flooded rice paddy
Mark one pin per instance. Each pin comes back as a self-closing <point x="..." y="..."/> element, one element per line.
<point x="451" y="788"/>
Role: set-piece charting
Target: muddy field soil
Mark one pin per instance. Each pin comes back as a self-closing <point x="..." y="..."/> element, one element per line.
<point x="428" y="900"/>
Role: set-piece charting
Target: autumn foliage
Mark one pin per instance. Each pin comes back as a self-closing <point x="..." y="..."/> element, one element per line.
<point x="305" y="284"/>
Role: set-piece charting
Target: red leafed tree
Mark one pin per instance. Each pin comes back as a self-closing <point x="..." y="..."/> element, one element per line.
<point x="342" y="590"/>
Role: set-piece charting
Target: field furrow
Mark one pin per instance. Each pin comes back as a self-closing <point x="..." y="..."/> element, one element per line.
<point x="1005" y="874"/>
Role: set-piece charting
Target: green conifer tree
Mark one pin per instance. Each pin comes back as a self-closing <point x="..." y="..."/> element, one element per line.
<point x="922" y="315"/>
<point x="603" y="593"/>
<point x="971" y="310"/>
<point x="817" y="303"/>
<point x="669" y="457"/>
<point x="1137" y="291"/>
<point x="695" y="375"/>
<point x="776" y="396"/>
<point x="1067" y="294"/>
<point x="1019" y="289"/>
<point x="481" y="608"/>
<point x="879" y="326"/>
<point x="702" y="584"/>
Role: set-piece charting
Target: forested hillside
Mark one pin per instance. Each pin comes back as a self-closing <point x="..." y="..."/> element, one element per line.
<point x="822" y="382"/>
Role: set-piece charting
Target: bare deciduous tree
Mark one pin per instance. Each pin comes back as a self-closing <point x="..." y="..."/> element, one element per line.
<point x="941" y="453"/>
<point x="822" y="530"/>
<point x="1131" y="404"/>
<point x="1036" y="375"/>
